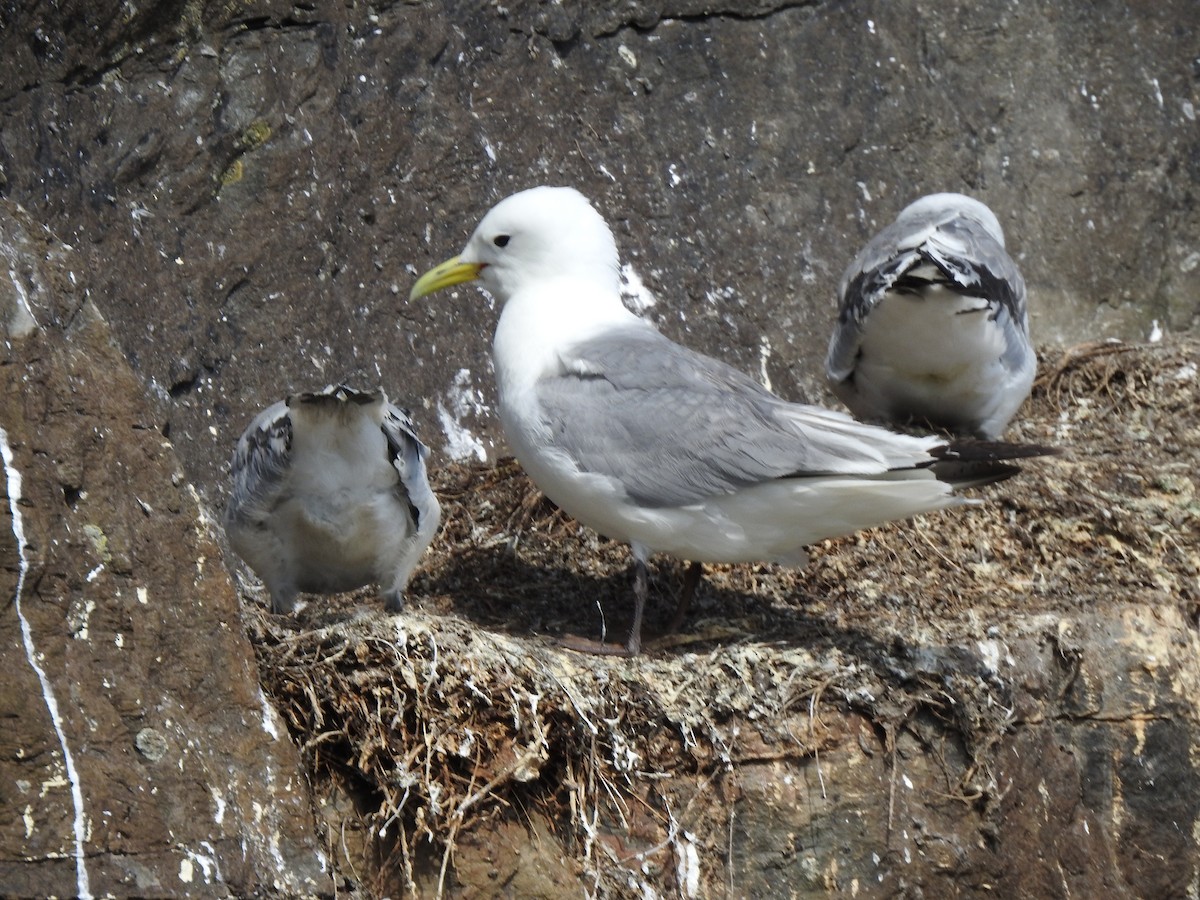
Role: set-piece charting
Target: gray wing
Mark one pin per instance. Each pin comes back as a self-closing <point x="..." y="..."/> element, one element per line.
<point x="260" y="461"/>
<point x="408" y="454"/>
<point x="937" y="247"/>
<point x="675" y="427"/>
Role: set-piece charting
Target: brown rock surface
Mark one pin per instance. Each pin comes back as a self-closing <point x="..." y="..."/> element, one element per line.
<point x="139" y="756"/>
<point x="248" y="190"/>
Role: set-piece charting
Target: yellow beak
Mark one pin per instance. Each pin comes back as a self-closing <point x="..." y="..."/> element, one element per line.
<point x="451" y="272"/>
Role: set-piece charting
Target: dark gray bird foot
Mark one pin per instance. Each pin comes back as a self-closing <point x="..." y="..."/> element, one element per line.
<point x="283" y="601"/>
<point x="393" y="601"/>
<point x="630" y="648"/>
<point x="633" y="643"/>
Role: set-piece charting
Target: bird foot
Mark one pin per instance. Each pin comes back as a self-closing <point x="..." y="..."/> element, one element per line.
<point x="579" y="644"/>
<point x="393" y="601"/>
<point x="283" y="601"/>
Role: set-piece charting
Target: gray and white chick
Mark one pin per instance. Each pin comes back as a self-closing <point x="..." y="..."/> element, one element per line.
<point x="330" y="492"/>
<point x="933" y="325"/>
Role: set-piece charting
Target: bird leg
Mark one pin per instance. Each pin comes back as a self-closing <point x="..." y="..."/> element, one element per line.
<point x="393" y="600"/>
<point x="283" y="598"/>
<point x="633" y="643"/>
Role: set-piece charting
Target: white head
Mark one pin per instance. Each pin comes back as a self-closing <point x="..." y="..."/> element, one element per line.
<point x="959" y="203"/>
<point x="532" y="236"/>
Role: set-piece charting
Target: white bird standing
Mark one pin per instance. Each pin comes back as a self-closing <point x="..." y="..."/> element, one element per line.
<point x="933" y="324"/>
<point x="651" y="443"/>
<point x="330" y="493"/>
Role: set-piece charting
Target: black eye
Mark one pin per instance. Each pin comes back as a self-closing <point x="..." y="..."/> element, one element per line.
<point x="501" y="240"/>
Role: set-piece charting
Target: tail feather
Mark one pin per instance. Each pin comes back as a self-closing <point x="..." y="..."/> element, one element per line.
<point x="970" y="463"/>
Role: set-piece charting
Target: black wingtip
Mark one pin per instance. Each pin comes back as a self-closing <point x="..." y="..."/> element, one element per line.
<point x="971" y="450"/>
<point x="972" y="463"/>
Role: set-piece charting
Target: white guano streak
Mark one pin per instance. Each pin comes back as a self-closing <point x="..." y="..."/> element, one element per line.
<point x="82" y="888"/>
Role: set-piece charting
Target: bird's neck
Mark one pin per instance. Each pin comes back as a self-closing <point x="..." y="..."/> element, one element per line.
<point x="536" y="324"/>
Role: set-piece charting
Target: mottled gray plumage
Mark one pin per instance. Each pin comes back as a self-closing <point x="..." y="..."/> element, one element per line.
<point x="933" y="324"/>
<point x="330" y="492"/>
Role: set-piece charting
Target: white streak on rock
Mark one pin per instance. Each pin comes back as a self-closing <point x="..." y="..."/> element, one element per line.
<point x="219" y="800"/>
<point x="634" y="291"/>
<point x="22" y="323"/>
<point x="1158" y="96"/>
<point x="687" y="869"/>
<point x="989" y="651"/>
<point x="464" y="399"/>
<point x="82" y="887"/>
<point x="764" y="354"/>
<point x="79" y="618"/>
<point x="209" y="869"/>
<point x="268" y="716"/>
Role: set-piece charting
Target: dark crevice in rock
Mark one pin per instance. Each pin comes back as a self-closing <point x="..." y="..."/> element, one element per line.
<point x="268" y="24"/>
<point x="184" y="385"/>
<point x="647" y="20"/>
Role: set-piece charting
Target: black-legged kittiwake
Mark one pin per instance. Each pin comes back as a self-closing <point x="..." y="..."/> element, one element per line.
<point x="649" y="442"/>
<point x="330" y="493"/>
<point x="933" y="325"/>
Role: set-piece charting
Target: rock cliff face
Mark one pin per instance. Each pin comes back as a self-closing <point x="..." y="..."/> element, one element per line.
<point x="244" y="193"/>
<point x="139" y="755"/>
